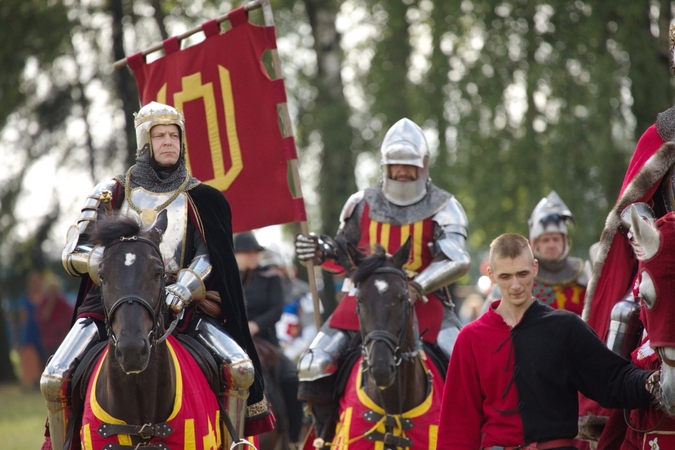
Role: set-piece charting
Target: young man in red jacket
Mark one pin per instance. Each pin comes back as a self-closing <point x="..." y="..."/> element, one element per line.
<point x="515" y="372"/>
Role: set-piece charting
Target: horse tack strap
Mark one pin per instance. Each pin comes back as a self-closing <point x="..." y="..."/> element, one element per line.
<point x="390" y="421"/>
<point x="146" y="431"/>
<point x="158" y="446"/>
<point x="390" y="439"/>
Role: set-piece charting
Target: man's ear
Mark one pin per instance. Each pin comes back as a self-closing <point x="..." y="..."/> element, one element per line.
<point x="491" y="275"/>
<point x="535" y="266"/>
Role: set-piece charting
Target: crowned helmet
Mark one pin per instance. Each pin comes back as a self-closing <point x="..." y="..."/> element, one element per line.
<point x="405" y="143"/>
<point x="551" y="215"/>
<point x="156" y="114"/>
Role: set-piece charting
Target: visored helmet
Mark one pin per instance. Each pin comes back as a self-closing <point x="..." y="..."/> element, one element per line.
<point x="551" y="215"/>
<point x="156" y="114"/>
<point x="405" y="143"/>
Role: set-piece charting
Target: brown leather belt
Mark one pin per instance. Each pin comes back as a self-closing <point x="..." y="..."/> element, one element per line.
<point x="556" y="443"/>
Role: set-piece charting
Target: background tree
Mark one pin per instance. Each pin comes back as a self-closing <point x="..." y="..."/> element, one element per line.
<point x="516" y="97"/>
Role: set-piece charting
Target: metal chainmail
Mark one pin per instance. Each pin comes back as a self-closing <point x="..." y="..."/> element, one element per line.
<point x="143" y="175"/>
<point x="665" y="125"/>
<point x="560" y="272"/>
<point x="382" y="210"/>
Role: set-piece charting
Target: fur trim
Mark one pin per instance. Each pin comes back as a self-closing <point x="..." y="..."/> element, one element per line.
<point x="590" y="427"/>
<point x="651" y="173"/>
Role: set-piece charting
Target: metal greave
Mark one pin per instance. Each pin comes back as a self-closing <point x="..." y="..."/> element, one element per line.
<point x="235" y="369"/>
<point x="55" y="382"/>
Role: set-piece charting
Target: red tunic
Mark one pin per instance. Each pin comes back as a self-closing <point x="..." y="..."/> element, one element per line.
<point x="352" y="426"/>
<point x="195" y="418"/>
<point x="472" y="403"/>
<point x="392" y="237"/>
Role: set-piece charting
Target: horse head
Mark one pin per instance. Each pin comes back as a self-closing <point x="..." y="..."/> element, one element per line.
<point x="132" y="287"/>
<point x="654" y="246"/>
<point x="384" y="310"/>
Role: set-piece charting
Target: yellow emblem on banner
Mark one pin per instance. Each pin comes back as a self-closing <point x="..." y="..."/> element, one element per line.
<point x="194" y="89"/>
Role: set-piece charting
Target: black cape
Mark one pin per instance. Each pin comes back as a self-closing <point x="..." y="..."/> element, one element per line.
<point x="214" y="217"/>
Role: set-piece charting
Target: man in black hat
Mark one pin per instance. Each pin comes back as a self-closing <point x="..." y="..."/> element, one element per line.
<point x="264" y="294"/>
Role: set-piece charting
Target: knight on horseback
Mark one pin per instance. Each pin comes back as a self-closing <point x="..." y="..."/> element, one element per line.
<point x="200" y="265"/>
<point x="405" y="204"/>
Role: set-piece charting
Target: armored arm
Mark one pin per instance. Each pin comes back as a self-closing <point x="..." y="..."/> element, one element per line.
<point x="190" y="281"/>
<point x="79" y="257"/>
<point x="451" y="260"/>
<point x="324" y="247"/>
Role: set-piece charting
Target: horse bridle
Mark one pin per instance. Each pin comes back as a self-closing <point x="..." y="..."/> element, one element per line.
<point x="132" y="298"/>
<point x="394" y="343"/>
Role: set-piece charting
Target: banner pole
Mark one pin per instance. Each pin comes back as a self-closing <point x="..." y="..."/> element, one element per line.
<point x="157" y="47"/>
<point x="288" y="131"/>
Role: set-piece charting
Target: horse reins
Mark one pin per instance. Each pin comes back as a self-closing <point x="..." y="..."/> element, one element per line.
<point x="129" y="299"/>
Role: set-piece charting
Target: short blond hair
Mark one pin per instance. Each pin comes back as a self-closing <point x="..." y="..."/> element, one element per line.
<point x="509" y="245"/>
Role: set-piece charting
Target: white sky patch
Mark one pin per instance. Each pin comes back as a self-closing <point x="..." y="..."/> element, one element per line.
<point x="130" y="259"/>
<point x="381" y="286"/>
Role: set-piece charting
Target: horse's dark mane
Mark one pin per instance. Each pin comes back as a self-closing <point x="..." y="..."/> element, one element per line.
<point x="111" y="228"/>
<point x="368" y="266"/>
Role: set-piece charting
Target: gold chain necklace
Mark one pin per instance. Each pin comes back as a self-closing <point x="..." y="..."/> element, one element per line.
<point x="149" y="215"/>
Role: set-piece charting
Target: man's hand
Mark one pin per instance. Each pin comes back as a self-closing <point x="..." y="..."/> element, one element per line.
<point x="654" y="383"/>
<point x="307" y="247"/>
<point x="415" y="292"/>
<point x="177" y="297"/>
<point x="253" y="328"/>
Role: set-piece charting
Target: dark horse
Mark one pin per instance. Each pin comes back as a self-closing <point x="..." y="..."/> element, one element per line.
<point x="145" y="390"/>
<point x="393" y="389"/>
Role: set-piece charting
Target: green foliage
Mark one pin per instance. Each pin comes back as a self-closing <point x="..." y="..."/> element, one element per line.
<point x="518" y="97"/>
<point x="32" y="30"/>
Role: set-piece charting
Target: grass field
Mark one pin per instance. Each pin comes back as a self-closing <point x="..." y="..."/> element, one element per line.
<point x="22" y="418"/>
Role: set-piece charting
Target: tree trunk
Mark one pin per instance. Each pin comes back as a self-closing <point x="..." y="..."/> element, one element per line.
<point x="331" y="115"/>
<point x="124" y="80"/>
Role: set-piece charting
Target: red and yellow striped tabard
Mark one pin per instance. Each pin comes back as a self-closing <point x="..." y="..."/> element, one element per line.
<point x="569" y="296"/>
<point x="391" y="237"/>
<point x="195" y="418"/>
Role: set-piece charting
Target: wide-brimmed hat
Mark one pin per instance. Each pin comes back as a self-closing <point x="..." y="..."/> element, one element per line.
<point x="245" y="242"/>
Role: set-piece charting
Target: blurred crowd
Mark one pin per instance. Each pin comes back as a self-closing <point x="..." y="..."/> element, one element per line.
<point x="41" y="322"/>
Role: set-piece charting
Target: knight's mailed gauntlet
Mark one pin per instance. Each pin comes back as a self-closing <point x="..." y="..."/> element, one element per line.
<point x="189" y="284"/>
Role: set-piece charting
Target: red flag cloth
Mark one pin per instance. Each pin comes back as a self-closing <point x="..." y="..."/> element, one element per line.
<point x="233" y="139"/>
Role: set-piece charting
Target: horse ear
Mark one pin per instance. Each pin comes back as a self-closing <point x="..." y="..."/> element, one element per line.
<point x="403" y="253"/>
<point x="646" y="237"/>
<point x="355" y="255"/>
<point x="158" y="228"/>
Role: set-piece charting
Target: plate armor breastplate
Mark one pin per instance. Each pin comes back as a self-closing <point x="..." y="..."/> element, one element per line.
<point x="173" y="240"/>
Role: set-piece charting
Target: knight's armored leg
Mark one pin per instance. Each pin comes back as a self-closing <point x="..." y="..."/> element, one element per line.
<point x="235" y="369"/>
<point x="449" y="330"/>
<point x="55" y="381"/>
<point x="316" y="372"/>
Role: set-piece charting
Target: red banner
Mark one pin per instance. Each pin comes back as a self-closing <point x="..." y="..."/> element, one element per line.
<point x="233" y="139"/>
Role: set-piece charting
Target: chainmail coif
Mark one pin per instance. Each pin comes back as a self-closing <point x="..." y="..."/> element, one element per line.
<point x="145" y="176"/>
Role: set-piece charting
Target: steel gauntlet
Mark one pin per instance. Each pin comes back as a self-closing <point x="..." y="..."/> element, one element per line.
<point x="189" y="284"/>
<point x="315" y="248"/>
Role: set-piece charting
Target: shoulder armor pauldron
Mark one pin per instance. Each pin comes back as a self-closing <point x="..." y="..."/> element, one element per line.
<point x="350" y="206"/>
